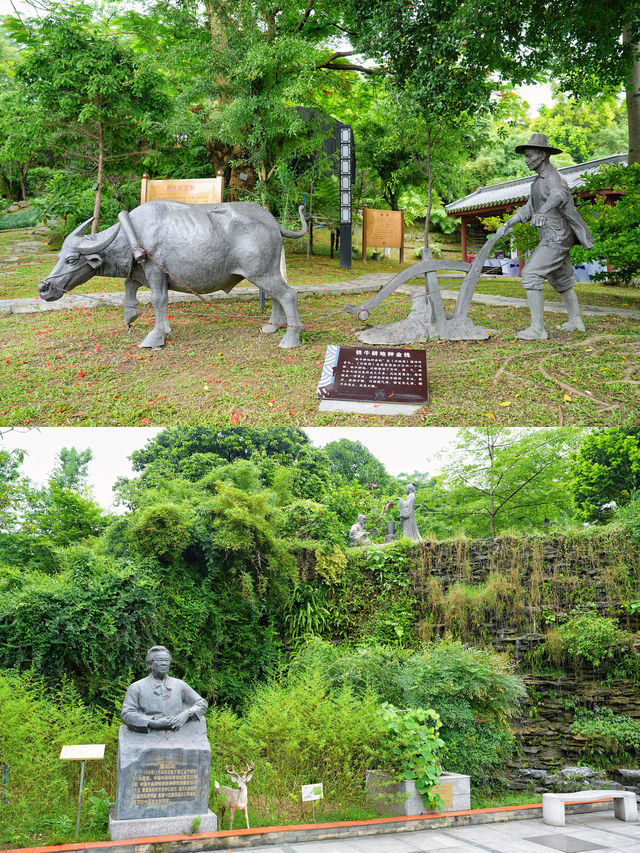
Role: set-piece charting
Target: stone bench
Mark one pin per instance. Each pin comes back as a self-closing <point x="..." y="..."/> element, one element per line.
<point x="625" y="806"/>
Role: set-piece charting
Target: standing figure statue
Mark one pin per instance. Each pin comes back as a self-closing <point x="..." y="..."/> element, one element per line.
<point x="407" y="509"/>
<point x="358" y="535"/>
<point x="551" y="210"/>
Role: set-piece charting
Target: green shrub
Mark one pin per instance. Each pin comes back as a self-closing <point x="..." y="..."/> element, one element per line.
<point x="609" y="736"/>
<point x="26" y="218"/>
<point x="592" y="638"/>
<point x="474" y="692"/>
<point x="306" y="519"/>
<point x="42" y="790"/>
<point x="162" y="531"/>
<point x="298" y="732"/>
<point x="91" y="632"/>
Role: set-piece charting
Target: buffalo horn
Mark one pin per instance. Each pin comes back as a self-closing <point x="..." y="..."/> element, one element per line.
<point x="81" y="229"/>
<point x="95" y="244"/>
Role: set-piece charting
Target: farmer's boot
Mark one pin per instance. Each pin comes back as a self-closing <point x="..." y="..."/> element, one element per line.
<point x="574" y="323"/>
<point x="536" y="331"/>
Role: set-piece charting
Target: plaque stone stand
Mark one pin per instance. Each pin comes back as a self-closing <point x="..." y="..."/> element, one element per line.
<point x="162" y="782"/>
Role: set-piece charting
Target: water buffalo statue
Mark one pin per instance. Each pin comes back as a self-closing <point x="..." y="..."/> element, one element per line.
<point x="204" y="247"/>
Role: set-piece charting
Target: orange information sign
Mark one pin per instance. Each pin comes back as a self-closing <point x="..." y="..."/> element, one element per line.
<point x="382" y="229"/>
<point x="190" y="190"/>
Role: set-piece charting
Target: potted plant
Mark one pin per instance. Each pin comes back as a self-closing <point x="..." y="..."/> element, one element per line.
<point x="409" y="754"/>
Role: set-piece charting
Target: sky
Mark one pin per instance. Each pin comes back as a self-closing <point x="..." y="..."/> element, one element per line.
<point x="400" y="449"/>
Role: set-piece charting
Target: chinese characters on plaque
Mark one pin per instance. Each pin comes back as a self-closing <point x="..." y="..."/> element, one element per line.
<point x="387" y="374"/>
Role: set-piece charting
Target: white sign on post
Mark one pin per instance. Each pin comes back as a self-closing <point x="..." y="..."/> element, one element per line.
<point x="82" y="752"/>
<point x="312" y="792"/>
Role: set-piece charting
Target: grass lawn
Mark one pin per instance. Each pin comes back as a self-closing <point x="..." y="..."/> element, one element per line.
<point x="81" y="367"/>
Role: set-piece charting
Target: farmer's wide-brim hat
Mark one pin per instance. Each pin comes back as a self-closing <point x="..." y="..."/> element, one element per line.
<point x="540" y="141"/>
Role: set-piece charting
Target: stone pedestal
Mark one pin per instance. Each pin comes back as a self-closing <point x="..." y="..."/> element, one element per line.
<point x="162" y="782"/>
<point x="159" y="826"/>
<point x="400" y="799"/>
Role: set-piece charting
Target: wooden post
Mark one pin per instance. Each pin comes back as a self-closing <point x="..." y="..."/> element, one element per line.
<point x="463" y="236"/>
<point x="364" y="233"/>
<point x="144" y="187"/>
<point x="401" y="251"/>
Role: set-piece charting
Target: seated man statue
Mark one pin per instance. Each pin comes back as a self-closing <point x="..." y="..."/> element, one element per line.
<point x="158" y="701"/>
<point x="358" y="535"/>
<point x="551" y="210"/>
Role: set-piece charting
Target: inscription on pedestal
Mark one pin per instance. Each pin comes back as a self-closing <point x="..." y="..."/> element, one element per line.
<point x="164" y="783"/>
<point x="163" y="774"/>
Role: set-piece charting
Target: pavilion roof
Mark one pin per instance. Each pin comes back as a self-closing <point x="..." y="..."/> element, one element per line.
<point x="507" y="192"/>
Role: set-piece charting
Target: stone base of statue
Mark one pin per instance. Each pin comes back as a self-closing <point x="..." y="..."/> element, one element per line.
<point x="421" y="325"/>
<point x="162" y="775"/>
<point x="159" y="826"/>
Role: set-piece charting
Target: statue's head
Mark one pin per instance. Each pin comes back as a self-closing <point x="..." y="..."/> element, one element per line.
<point x="362" y="518"/>
<point x="537" y="150"/>
<point x="158" y="661"/>
<point x="410" y="488"/>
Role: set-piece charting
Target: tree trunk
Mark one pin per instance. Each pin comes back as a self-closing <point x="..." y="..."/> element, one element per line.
<point x="633" y="105"/>
<point x="96" y="207"/>
<point x="22" y="174"/>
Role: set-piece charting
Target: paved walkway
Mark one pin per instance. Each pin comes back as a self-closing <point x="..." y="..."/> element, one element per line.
<point x="361" y="284"/>
<point x="586" y="832"/>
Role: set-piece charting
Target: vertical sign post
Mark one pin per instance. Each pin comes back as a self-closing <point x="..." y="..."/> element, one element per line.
<point x="346" y="180"/>
<point x="311" y="793"/>
<point x="82" y="752"/>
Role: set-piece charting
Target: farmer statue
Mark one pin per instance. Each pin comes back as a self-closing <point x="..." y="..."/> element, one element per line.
<point x="551" y="210"/>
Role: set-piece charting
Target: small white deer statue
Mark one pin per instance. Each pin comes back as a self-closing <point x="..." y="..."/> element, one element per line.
<point x="232" y="798"/>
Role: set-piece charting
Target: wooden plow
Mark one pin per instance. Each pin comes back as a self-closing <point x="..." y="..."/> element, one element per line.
<point x="428" y="319"/>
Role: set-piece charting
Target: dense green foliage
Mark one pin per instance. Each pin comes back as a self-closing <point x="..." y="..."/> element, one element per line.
<point x="41" y="789"/>
<point x="474" y="692"/>
<point x="592" y="638"/>
<point x="610" y="737"/>
<point x="615" y="227"/>
<point x="605" y="472"/>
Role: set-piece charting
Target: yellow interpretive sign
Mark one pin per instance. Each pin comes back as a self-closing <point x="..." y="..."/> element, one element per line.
<point x="190" y="190"/>
<point x="382" y="229"/>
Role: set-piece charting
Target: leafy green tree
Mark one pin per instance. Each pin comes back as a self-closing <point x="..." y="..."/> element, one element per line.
<point x="585" y="130"/>
<point x="615" y="227"/>
<point x="285" y="457"/>
<point x="353" y="461"/>
<point x="436" y="45"/>
<point x="178" y="444"/>
<point x="71" y="469"/>
<point x="605" y="468"/>
<point x="506" y="478"/>
<point x="103" y="104"/>
<point x="11" y="487"/>
<point x="63" y="516"/>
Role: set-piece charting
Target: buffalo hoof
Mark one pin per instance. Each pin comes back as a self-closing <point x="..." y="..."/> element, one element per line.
<point x="290" y="339"/>
<point x="153" y="340"/>
<point x="270" y="328"/>
<point x="130" y="316"/>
